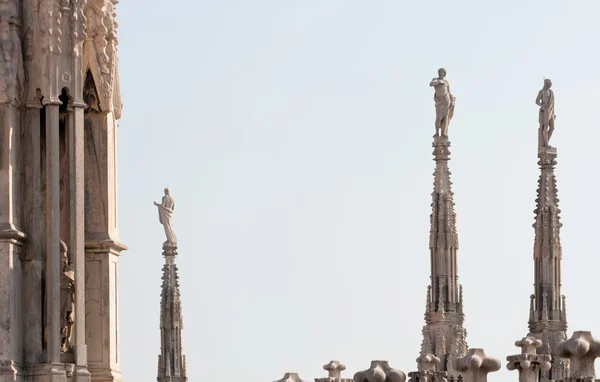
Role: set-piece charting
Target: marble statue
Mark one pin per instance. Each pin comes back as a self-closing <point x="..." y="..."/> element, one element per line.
<point x="545" y="100"/>
<point x="165" y="215"/>
<point x="67" y="299"/>
<point x="444" y="103"/>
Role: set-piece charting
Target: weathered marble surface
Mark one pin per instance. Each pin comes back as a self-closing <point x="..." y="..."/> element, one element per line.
<point x="290" y="377"/>
<point x="380" y="371"/>
<point x="529" y="363"/>
<point x="582" y="350"/>
<point x="58" y="182"/>
<point x="476" y="365"/>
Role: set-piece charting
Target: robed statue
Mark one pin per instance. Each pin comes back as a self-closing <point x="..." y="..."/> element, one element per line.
<point x="444" y="103"/>
<point x="545" y="100"/>
<point x="165" y="215"/>
<point x="67" y="299"/>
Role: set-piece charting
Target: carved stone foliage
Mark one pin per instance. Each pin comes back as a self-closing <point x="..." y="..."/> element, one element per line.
<point x="67" y="299"/>
<point x="380" y="371"/>
<point x="476" y="365"/>
<point x="334" y="369"/>
<point x="529" y="363"/>
<point x="11" y="61"/>
<point x="582" y="350"/>
<point x="100" y="52"/>
<point x="290" y="377"/>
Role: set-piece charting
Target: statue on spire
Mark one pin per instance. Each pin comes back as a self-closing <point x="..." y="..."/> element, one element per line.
<point x="165" y="215"/>
<point x="545" y="100"/>
<point x="444" y="103"/>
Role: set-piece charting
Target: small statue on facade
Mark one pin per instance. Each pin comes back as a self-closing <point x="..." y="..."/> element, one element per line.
<point x="165" y="215"/>
<point x="545" y="100"/>
<point x="444" y="103"/>
<point x="67" y="299"/>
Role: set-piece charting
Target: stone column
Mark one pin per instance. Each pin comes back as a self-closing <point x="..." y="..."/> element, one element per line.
<point x="101" y="309"/>
<point x="77" y="235"/>
<point x="53" y="271"/>
<point x="11" y="241"/>
<point x="33" y="264"/>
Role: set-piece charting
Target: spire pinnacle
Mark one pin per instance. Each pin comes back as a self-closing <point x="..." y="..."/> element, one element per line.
<point x="443" y="334"/>
<point x="171" y="361"/>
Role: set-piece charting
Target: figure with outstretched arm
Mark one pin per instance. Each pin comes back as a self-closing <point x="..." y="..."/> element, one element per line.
<point x="165" y="216"/>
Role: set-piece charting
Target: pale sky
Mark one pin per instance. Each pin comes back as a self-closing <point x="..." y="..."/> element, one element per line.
<point x="296" y="139"/>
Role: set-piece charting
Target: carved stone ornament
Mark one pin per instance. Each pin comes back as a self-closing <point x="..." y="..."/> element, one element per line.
<point x="529" y="363"/>
<point x="100" y="52"/>
<point x="476" y="365"/>
<point x="582" y="350"/>
<point x="290" y="377"/>
<point x="11" y="62"/>
<point x="67" y="299"/>
<point x="380" y="371"/>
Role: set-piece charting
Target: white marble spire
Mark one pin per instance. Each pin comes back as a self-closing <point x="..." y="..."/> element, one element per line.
<point x="171" y="361"/>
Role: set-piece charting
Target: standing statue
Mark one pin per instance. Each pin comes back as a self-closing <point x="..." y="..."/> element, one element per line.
<point x="545" y="100"/>
<point x="165" y="215"/>
<point x="67" y="299"/>
<point x="444" y="103"/>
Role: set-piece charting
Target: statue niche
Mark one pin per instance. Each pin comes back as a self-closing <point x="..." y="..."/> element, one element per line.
<point x="67" y="299"/>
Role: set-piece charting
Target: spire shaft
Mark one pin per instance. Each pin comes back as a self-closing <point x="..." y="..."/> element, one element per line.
<point x="171" y="361"/>
<point x="547" y="318"/>
<point x="443" y="333"/>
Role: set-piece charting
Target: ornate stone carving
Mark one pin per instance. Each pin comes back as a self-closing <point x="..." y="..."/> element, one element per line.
<point x="165" y="215"/>
<point x="380" y="371"/>
<point x="78" y="31"/>
<point x="476" y="365"/>
<point x="529" y="363"/>
<point x="11" y="60"/>
<point x="582" y="350"/>
<point x="290" y="377"/>
<point x="100" y="52"/>
<point x="334" y="369"/>
<point x="427" y="370"/>
<point x="545" y="100"/>
<point x="444" y="103"/>
<point x="67" y="299"/>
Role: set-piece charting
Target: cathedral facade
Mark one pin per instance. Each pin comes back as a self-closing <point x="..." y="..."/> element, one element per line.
<point x="59" y="243"/>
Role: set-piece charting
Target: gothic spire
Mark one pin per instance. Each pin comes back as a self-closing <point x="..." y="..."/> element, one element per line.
<point x="444" y="315"/>
<point x="547" y="319"/>
<point x="443" y="242"/>
<point x="171" y="361"/>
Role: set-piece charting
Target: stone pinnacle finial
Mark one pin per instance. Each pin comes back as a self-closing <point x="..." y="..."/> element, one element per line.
<point x="380" y="371"/>
<point x="476" y="365"/>
<point x="582" y="350"/>
<point x="428" y="362"/>
<point x="528" y="363"/>
<point x="335" y="369"/>
<point x="290" y="377"/>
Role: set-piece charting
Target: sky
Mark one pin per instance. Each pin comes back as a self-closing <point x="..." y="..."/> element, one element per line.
<point x="295" y="137"/>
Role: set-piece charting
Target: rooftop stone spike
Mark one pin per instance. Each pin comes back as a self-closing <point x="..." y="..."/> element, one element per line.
<point x="443" y="334"/>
